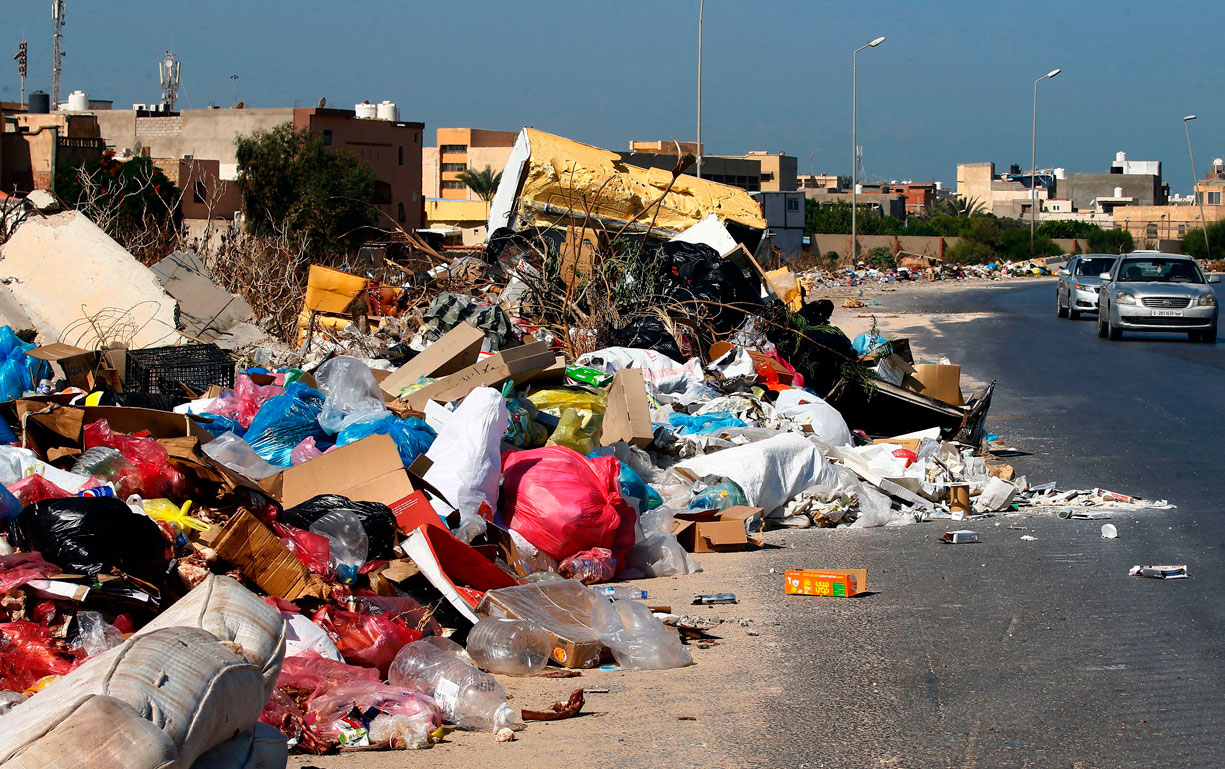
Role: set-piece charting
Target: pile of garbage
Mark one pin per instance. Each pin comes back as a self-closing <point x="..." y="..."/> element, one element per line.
<point x="913" y="267"/>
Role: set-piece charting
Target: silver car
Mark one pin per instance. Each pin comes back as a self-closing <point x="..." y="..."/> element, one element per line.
<point x="1076" y="291"/>
<point x="1152" y="291"/>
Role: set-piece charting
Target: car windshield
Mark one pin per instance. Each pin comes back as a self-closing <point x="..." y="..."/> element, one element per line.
<point x="1156" y="269"/>
<point x="1095" y="266"/>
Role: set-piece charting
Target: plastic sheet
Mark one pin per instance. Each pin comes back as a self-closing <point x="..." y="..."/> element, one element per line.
<point x="415" y="714"/>
<point x="563" y="503"/>
<point x="703" y="424"/>
<point x="285" y="421"/>
<point x="639" y="641"/>
<point x="351" y="393"/>
<point x="17" y="569"/>
<point x="659" y="554"/>
<point x="33" y="489"/>
<point x="215" y="424"/>
<point x="824" y="420"/>
<point x="377" y="520"/>
<point x="401" y="608"/>
<point x="95" y="634"/>
<point x="238" y="455"/>
<point x="413" y="436"/>
<point x="363" y="639"/>
<point x="305" y="451"/>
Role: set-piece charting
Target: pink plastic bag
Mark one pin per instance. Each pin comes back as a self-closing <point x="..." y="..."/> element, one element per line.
<point x="158" y="477"/>
<point x="563" y="502"/>
<point x="325" y="710"/>
<point x="366" y="640"/>
<point x="401" y="608"/>
<point x="319" y="674"/>
<point x="28" y="653"/>
<point x="19" y="568"/>
<point x="305" y="451"/>
<point x="589" y="566"/>
<point x="241" y="403"/>
<point x="35" y="488"/>
<point x="311" y="549"/>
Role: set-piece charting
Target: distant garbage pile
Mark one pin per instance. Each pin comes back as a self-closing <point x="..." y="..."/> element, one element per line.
<point x="214" y="558"/>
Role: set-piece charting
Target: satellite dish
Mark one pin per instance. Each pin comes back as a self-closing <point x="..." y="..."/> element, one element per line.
<point x="323" y="102"/>
<point x="136" y="147"/>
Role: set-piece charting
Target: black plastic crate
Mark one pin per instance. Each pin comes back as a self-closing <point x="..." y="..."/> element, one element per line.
<point x="169" y="370"/>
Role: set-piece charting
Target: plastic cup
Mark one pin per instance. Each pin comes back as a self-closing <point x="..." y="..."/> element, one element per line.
<point x="1109" y="531"/>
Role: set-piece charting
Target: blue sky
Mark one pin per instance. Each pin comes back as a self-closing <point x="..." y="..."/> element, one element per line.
<point x="953" y="81"/>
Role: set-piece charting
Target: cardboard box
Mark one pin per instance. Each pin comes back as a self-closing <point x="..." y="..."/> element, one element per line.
<point x="942" y="382"/>
<point x="715" y="531"/>
<point x="260" y="556"/>
<point x="910" y="444"/>
<point x="457" y="349"/>
<point x="628" y="415"/>
<point x="489" y="372"/>
<point x="960" y="537"/>
<point x="331" y="291"/>
<point x="55" y="431"/>
<point x="834" y="583"/>
<point x="78" y="365"/>
<point x="565" y="616"/>
<point x="368" y="470"/>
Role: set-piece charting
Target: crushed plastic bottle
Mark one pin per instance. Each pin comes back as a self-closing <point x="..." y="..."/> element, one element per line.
<point x="512" y="647"/>
<point x="348" y="543"/>
<point x="712" y="494"/>
<point x="110" y="466"/>
<point x="467" y="696"/>
<point x="621" y="592"/>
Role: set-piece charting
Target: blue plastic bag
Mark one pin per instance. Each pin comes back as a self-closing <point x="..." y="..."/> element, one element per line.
<point x="412" y="436"/>
<point x="703" y="424"/>
<point x="866" y="343"/>
<point x="19" y="373"/>
<point x="219" y="425"/>
<point x="284" y="421"/>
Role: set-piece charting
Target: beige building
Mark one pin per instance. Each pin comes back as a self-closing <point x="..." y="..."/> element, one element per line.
<point x="778" y="171"/>
<point x="999" y="196"/>
<point x="34" y="146"/>
<point x="460" y="149"/>
<point x="816" y="181"/>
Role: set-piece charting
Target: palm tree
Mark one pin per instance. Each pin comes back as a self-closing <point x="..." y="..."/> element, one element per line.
<point x="483" y="183"/>
<point x="958" y="207"/>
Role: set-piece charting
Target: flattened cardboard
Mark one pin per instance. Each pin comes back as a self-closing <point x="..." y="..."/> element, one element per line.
<point x="715" y="531"/>
<point x="628" y="415"/>
<point x="910" y="444"/>
<point x="942" y="382"/>
<point x="260" y="556"/>
<point x="457" y="349"/>
<point x="492" y="371"/>
<point x="368" y="470"/>
<point x="415" y="511"/>
<point x="832" y="583"/>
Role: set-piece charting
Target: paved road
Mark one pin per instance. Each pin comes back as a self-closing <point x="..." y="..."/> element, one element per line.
<point x="1041" y="653"/>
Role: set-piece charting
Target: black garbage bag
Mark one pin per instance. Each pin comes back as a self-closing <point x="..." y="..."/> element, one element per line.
<point x="806" y="340"/>
<point x="649" y="334"/>
<point x="92" y="535"/>
<point x="377" y="520"/>
<point x="718" y="287"/>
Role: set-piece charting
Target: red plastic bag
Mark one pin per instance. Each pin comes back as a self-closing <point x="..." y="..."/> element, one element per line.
<point x="19" y="568"/>
<point x="589" y="566"/>
<point x="157" y="476"/>
<point x="400" y="608"/>
<point x="563" y="502"/>
<point x="28" y="654"/>
<point x="319" y="674"/>
<point x="312" y="549"/>
<point x="35" y="488"/>
<point x="241" y="403"/>
<point x="366" y="640"/>
<point x="908" y="456"/>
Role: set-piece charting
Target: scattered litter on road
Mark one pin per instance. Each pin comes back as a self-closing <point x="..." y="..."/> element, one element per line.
<point x="1178" y="571"/>
<point x="960" y="537"/>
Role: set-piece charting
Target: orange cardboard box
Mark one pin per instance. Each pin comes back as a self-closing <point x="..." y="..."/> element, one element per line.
<point x="835" y="583"/>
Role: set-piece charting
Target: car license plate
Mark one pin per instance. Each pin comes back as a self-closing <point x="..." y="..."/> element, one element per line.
<point x="1167" y="313"/>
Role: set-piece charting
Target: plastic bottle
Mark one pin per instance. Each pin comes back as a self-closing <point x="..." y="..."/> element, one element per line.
<point x="718" y="496"/>
<point x="621" y="592"/>
<point x="110" y="466"/>
<point x="347" y="540"/>
<point x="467" y="696"/>
<point x="512" y="647"/>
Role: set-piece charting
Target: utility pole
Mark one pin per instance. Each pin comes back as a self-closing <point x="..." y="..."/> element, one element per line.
<point x="22" y="58"/>
<point x="1033" y="165"/>
<point x="1196" y="196"/>
<point x="234" y="80"/>
<point x="701" y="9"/>
<point x="855" y="146"/>
<point x="57" y="52"/>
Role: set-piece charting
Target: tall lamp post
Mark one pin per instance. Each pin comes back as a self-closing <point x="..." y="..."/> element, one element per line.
<point x="1186" y="123"/>
<point x="701" y="9"/>
<point x="855" y="145"/>
<point x="1033" y="165"/>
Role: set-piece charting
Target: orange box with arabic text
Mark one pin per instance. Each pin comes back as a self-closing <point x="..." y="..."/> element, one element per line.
<point x="834" y="583"/>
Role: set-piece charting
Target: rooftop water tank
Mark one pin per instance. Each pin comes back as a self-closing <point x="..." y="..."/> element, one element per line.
<point x="387" y="110"/>
<point x="365" y="110"/>
<point x="1118" y="192"/>
<point x="1120" y="157"/>
<point x="78" y="101"/>
<point x="40" y="103"/>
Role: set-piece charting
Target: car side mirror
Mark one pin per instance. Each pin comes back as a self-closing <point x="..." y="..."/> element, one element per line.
<point x="1214" y="278"/>
<point x="1104" y="276"/>
<point x="1065" y="272"/>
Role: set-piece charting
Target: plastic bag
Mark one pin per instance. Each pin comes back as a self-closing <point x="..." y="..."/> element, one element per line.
<point x="363" y="639"/>
<point x="16" y="366"/>
<point x="35" y="488"/>
<point x="703" y="424"/>
<point x="95" y="634"/>
<point x="522" y="429"/>
<point x="351" y="393"/>
<point x="158" y="478"/>
<point x="305" y="637"/>
<point x="401" y="608"/>
<point x="305" y="451"/>
<point x="659" y="554"/>
<point x="318" y="674"/>
<point x="415" y="714"/>
<point x="639" y="641"/>
<point x="109" y="466"/>
<point x="590" y="566"/>
<point x="826" y="422"/>
<point x="88" y="535"/>
<point x="377" y="520"/>
<point x="285" y="421"/>
<point x="555" y="400"/>
<point x="347" y="543"/>
<point x="413" y="436"/>
<point x="466" y="456"/>
<point x="16" y="569"/>
<point x="313" y="550"/>
<point x="563" y="503"/>
<point x="576" y="431"/>
<point x="243" y="402"/>
<point x="238" y="455"/>
<point x="29" y="654"/>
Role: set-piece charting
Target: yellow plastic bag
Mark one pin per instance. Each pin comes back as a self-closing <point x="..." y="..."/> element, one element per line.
<point x="555" y="400"/>
<point x="577" y="432"/>
<point x="165" y="511"/>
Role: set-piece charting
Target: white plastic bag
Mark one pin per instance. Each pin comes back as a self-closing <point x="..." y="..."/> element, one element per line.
<point x="237" y="455"/>
<point x="827" y="424"/>
<point x="467" y="458"/>
<point x="351" y="394"/>
<point x="639" y="641"/>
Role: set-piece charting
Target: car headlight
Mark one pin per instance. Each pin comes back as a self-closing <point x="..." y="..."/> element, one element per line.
<point x="1207" y="300"/>
<point x="1081" y="287"/>
<point x="1122" y="297"/>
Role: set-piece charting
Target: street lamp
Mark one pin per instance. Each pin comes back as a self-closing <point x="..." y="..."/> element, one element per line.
<point x="1033" y="165"/>
<point x="701" y="9"/>
<point x="1186" y="123"/>
<point x="855" y="145"/>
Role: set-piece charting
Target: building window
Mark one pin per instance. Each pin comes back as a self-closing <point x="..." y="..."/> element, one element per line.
<point x="401" y="155"/>
<point x="453" y="185"/>
<point x="382" y="193"/>
<point x="1151" y="230"/>
<point x="454" y="148"/>
<point x="1214" y="198"/>
<point x="455" y="166"/>
<point x="199" y="192"/>
<point x="400" y="212"/>
<point x="793" y="204"/>
<point x="1182" y="229"/>
<point x="416" y="138"/>
<point x="327" y="138"/>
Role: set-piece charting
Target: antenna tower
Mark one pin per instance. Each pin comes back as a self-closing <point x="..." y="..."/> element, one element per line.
<point x="168" y="76"/>
<point x="57" y="52"/>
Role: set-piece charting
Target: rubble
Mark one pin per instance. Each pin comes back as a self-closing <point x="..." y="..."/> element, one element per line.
<point x="462" y="455"/>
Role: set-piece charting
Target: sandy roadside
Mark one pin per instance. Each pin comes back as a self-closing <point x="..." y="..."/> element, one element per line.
<point x="703" y="715"/>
